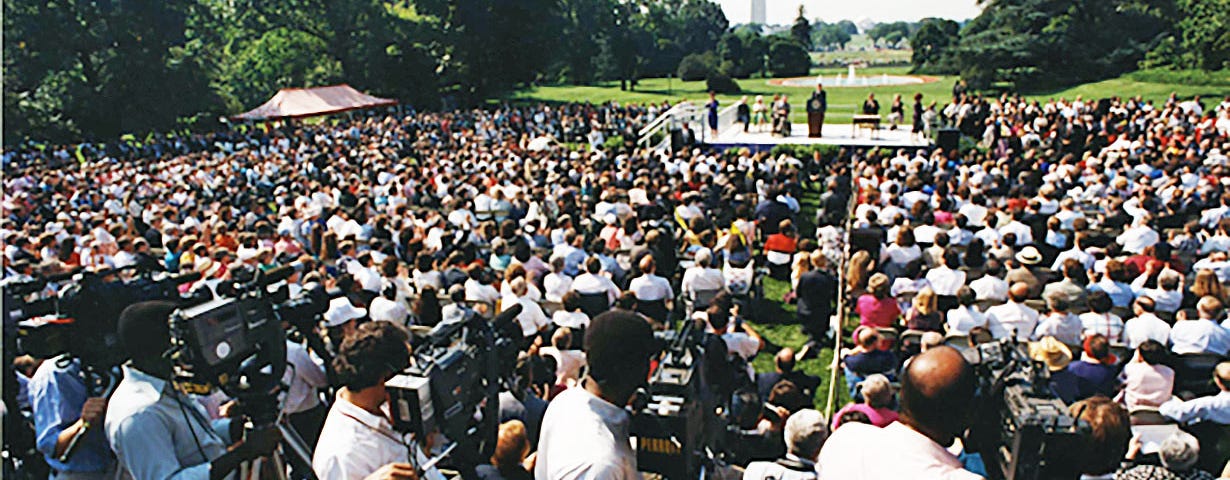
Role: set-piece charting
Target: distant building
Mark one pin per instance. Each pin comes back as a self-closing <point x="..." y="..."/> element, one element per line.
<point x="758" y="12"/>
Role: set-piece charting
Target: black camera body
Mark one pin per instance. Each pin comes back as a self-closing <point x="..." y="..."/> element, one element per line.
<point x="1022" y="429"/>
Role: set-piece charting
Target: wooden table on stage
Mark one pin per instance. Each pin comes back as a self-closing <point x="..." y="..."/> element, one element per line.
<point x="871" y="122"/>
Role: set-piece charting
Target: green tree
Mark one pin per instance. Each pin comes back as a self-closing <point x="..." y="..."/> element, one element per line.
<point x="1204" y="34"/>
<point x="787" y="58"/>
<point x="742" y="53"/>
<point x="931" y="43"/>
<point x="801" y="30"/>
<point x="833" y="36"/>
<point x="99" y="69"/>
<point x="848" y="26"/>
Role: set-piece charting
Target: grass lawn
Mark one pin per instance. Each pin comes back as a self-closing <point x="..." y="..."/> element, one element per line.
<point x="778" y="327"/>
<point x="842" y="100"/>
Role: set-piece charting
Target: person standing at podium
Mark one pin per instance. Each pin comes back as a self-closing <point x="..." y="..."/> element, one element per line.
<point x="816" y="105"/>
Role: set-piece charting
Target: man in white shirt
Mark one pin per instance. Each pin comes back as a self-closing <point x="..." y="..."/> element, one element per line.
<point x="805" y="432"/>
<point x="386" y="307"/>
<point x="358" y="440"/>
<point x="702" y="277"/>
<point x="1201" y="334"/>
<point x="585" y="432"/>
<point x="937" y="391"/>
<point x="946" y="279"/>
<point x="1212" y="409"/>
<point x="1014" y="316"/>
<point x="1146" y="325"/>
<point x="591" y="282"/>
<point x="991" y="286"/>
<point x="1076" y="252"/>
<point x="1135" y="239"/>
<point x="532" y="319"/>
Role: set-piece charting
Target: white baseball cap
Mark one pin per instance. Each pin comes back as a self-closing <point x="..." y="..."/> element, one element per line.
<point x="342" y="311"/>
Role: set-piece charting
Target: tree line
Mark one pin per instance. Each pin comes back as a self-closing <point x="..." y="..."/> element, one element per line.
<point x="1037" y="44"/>
<point x="96" y="69"/>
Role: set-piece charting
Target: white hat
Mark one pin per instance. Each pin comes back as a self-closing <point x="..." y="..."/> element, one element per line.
<point x="342" y="311"/>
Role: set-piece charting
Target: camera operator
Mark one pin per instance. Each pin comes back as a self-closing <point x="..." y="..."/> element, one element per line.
<point x="63" y="407"/>
<point x="586" y="430"/>
<point x="158" y="432"/>
<point x="358" y="440"/>
<point x="805" y="433"/>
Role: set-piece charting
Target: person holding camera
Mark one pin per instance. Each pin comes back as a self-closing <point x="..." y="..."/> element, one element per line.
<point x="358" y="440"/>
<point x="63" y="408"/>
<point x="585" y="433"/>
<point x="157" y="431"/>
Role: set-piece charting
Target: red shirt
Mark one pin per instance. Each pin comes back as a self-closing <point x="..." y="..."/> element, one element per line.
<point x="879" y="313"/>
<point x="781" y="243"/>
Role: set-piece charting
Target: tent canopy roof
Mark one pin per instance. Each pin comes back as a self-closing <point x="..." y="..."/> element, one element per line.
<point x="309" y="102"/>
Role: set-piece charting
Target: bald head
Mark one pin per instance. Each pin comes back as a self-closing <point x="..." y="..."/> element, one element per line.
<point x="1018" y="292"/>
<point x="785" y="360"/>
<point x="1222" y="374"/>
<point x="936" y="391"/>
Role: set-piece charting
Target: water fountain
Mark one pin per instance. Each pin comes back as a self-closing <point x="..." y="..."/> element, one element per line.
<point x="850" y="79"/>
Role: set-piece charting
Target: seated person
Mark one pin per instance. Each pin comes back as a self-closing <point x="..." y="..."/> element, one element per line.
<point x="1095" y="371"/>
<point x="876" y="308"/>
<point x="1147" y="381"/>
<point x="1201" y="334"/>
<point x="511" y="448"/>
<point x="1059" y="323"/>
<point x="877" y="395"/>
<point x="867" y="358"/>
<point x="568" y="361"/>
<point x="1213" y="408"/>
<point x="805" y="433"/>
<point x="1057" y="357"/>
<point x="783" y="364"/>
<point x="1179" y="454"/>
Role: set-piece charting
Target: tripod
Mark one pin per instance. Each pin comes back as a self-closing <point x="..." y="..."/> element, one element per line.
<point x="292" y="450"/>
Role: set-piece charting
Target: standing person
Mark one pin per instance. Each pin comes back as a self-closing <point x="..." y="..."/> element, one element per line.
<point x="896" y="112"/>
<point x="712" y="107"/>
<point x="782" y="123"/>
<point x="62" y="408"/>
<point x="585" y="433"/>
<point x="816" y="106"/>
<point x="917" y="130"/>
<point x="816" y="291"/>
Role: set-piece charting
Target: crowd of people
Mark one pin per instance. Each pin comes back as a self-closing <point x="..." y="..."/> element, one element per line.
<point x="1096" y="230"/>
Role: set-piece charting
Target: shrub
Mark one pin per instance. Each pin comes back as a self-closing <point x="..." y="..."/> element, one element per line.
<point x="788" y="59"/>
<point x="697" y="66"/>
<point x="721" y="83"/>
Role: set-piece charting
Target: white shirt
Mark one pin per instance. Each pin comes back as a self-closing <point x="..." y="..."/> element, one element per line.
<point x="1024" y="235"/>
<point x="701" y="279"/>
<point x="1080" y="256"/>
<point x="570" y="319"/>
<point x="385" y="309"/>
<point x="304" y="376"/>
<point x="568" y="363"/>
<point x="858" y="451"/>
<point x="945" y="281"/>
<point x="1199" y="336"/>
<point x="990" y="287"/>
<point x="588" y="283"/>
<point x="741" y="344"/>
<point x="354" y="443"/>
<point x="1066" y="328"/>
<point x="585" y="437"/>
<point x="962" y="320"/>
<point x="651" y="288"/>
<point x="1002" y="320"/>
<point x="477" y="292"/>
<point x="1146" y="327"/>
<point x="1135" y="239"/>
<point x="555" y="286"/>
<point x="531" y="317"/>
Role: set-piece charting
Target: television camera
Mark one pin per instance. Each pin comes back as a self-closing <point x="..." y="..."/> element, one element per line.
<point x="676" y="422"/>
<point x="235" y="341"/>
<point x="73" y="316"/>
<point x="1022" y="429"/>
<point x="457" y="372"/>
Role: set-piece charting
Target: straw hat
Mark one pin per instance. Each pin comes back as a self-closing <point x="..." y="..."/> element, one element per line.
<point x="1029" y="256"/>
<point x="1052" y="352"/>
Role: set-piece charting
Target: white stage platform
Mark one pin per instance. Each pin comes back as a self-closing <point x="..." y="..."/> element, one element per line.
<point x="834" y="134"/>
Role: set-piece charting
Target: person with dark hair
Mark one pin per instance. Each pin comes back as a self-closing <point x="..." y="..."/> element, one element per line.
<point x="1095" y="371"/>
<point x="783" y="369"/>
<point x="585" y="433"/>
<point x="1147" y="381"/>
<point x="358" y="440"/>
<point x="1099" y="452"/>
<point x="937" y="394"/>
<point x="157" y="431"/>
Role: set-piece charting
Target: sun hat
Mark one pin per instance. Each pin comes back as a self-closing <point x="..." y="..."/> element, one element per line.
<point x="1052" y="352"/>
<point x="342" y="311"/>
<point x="1029" y="256"/>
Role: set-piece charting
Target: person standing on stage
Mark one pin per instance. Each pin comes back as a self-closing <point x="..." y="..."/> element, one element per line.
<point x="816" y="105"/>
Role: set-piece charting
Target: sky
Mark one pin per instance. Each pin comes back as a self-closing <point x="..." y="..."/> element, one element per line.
<point x="784" y="11"/>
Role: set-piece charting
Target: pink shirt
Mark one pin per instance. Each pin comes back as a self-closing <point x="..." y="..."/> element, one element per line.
<point x="1146" y="385"/>
<point x="880" y="417"/>
<point x="873" y="312"/>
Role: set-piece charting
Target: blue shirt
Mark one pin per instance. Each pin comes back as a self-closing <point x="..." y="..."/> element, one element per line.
<point x="57" y="394"/>
<point x="159" y="433"/>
